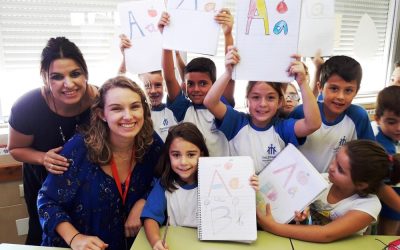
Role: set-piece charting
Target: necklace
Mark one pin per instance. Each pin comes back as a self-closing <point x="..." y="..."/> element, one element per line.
<point x="77" y="119"/>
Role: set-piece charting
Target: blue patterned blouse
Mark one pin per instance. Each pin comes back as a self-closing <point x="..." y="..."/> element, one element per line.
<point x="89" y="199"/>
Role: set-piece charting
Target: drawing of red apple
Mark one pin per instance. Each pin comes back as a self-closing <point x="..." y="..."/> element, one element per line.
<point x="152" y="12"/>
<point x="282" y="7"/>
<point x="228" y="165"/>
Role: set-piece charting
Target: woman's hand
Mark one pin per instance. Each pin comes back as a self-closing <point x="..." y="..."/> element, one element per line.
<point x="86" y="242"/>
<point x="54" y="162"/>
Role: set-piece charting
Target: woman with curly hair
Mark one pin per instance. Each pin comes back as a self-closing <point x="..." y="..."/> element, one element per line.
<point x="97" y="202"/>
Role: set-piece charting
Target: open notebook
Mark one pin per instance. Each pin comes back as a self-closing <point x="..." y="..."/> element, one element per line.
<point x="227" y="202"/>
<point x="289" y="183"/>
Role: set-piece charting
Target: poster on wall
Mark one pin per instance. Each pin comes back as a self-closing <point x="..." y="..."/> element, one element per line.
<point x="267" y="34"/>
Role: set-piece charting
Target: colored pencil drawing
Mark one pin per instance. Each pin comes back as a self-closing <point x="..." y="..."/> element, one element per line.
<point x="222" y="205"/>
<point x="281" y="26"/>
<point x="257" y="10"/>
<point x="282" y="7"/>
<point x="197" y="5"/>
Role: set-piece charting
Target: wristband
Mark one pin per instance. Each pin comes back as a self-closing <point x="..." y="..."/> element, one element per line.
<point x="73" y="237"/>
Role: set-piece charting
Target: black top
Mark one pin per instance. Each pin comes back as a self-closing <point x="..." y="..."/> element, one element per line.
<point x="31" y="115"/>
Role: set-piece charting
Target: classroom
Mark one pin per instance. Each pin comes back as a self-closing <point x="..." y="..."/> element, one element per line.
<point x="113" y="88"/>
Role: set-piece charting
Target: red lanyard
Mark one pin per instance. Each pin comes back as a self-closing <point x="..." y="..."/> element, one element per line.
<point x="118" y="181"/>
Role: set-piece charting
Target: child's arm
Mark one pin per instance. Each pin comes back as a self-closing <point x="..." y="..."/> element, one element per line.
<point x="352" y="222"/>
<point x="225" y="19"/>
<point x="312" y="118"/>
<point x="389" y="197"/>
<point x="181" y="65"/>
<point x="125" y="43"/>
<point x="318" y="61"/>
<point x="213" y="98"/>
<point x="152" y="231"/>
<point x="133" y="222"/>
<point x="167" y="62"/>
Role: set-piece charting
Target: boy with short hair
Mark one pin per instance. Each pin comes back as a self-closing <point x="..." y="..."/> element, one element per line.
<point x="341" y="121"/>
<point x="387" y="115"/>
<point x="199" y="74"/>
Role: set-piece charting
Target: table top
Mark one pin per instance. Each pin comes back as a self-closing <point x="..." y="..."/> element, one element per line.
<point x="4" y="246"/>
<point x="183" y="238"/>
<point x="366" y="242"/>
<point x="180" y="238"/>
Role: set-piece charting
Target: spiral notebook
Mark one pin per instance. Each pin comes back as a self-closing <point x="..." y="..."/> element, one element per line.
<point x="227" y="202"/>
<point x="289" y="183"/>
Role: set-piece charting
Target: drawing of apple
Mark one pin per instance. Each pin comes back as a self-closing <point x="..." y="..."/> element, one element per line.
<point x="228" y="165"/>
<point x="302" y="177"/>
<point x="152" y="12"/>
<point x="282" y="7"/>
<point x="208" y="7"/>
<point x="272" y="195"/>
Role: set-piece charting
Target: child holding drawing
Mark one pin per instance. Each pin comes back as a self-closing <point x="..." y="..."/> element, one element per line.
<point x="176" y="190"/>
<point x="349" y="204"/>
<point x="199" y="74"/>
<point x="266" y="135"/>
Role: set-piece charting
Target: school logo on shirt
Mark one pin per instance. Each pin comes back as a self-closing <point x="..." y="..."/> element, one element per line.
<point x="271" y="150"/>
<point x="165" y="122"/>
<point x="269" y="156"/>
<point x="342" y="141"/>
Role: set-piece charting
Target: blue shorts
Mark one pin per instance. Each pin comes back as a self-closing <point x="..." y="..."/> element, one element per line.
<point x="389" y="213"/>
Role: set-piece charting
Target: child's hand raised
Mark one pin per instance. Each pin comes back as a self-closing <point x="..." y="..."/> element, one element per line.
<point x="164" y="21"/>
<point x="225" y="19"/>
<point x="318" y="60"/>
<point x="124" y="43"/>
<point x="231" y="58"/>
<point x="297" y="69"/>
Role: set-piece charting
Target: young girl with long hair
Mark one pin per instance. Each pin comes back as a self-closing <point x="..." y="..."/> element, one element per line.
<point x="176" y="190"/>
<point x="261" y="134"/>
<point x="349" y="205"/>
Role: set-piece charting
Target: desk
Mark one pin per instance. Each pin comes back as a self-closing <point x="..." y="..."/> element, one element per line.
<point x="23" y="247"/>
<point x="367" y="242"/>
<point x="182" y="238"/>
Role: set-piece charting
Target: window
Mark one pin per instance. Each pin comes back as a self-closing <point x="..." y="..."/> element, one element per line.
<point x="26" y="25"/>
